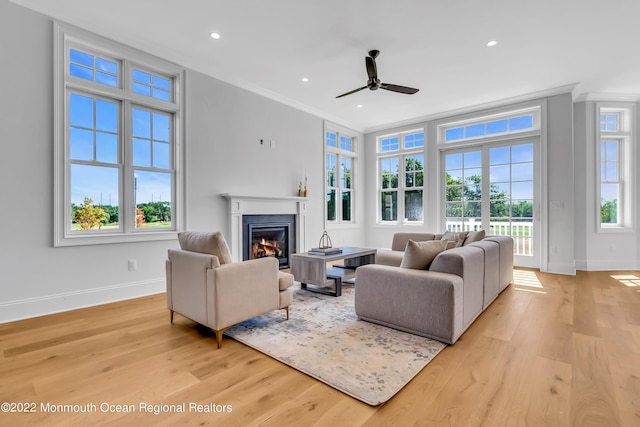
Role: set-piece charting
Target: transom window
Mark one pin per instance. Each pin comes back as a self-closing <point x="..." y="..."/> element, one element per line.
<point x="340" y="163"/>
<point x="497" y="125"/>
<point x="117" y="152"/>
<point x="401" y="177"/>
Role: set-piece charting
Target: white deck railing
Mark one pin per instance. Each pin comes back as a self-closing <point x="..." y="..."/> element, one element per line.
<point x="521" y="232"/>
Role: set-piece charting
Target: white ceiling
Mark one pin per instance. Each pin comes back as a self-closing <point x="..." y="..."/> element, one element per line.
<point x="439" y="46"/>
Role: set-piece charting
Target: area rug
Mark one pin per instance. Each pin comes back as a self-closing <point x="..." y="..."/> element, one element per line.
<point x="324" y="339"/>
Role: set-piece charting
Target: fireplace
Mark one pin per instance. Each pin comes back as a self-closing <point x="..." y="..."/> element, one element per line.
<point x="269" y="235"/>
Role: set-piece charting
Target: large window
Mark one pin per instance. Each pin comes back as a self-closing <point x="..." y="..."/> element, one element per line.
<point x="614" y="131"/>
<point x="117" y="156"/>
<point x="340" y="164"/>
<point x="401" y="177"/>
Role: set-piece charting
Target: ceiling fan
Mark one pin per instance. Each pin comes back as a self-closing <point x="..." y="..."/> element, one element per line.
<point x="374" y="82"/>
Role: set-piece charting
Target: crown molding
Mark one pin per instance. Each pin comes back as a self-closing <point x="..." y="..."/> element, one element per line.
<point x="603" y="96"/>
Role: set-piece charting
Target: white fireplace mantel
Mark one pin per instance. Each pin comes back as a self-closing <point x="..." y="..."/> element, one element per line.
<point x="240" y="204"/>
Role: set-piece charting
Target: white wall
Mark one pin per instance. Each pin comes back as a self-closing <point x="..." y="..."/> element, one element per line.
<point x="224" y="126"/>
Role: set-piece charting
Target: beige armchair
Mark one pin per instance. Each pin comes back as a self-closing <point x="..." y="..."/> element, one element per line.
<point x="204" y="285"/>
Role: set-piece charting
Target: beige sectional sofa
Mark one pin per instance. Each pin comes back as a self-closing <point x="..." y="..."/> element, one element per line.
<point x="440" y="302"/>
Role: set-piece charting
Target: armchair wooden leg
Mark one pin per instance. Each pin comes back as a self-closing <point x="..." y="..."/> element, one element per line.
<point x="286" y="309"/>
<point x="219" y="333"/>
<point x="171" y="316"/>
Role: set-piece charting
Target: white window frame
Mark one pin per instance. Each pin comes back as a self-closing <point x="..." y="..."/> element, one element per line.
<point x="340" y="154"/>
<point x="66" y="37"/>
<point x="625" y="136"/>
<point x="511" y="114"/>
<point x="401" y="153"/>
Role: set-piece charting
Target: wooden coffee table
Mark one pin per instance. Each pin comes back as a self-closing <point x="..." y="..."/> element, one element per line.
<point x="311" y="269"/>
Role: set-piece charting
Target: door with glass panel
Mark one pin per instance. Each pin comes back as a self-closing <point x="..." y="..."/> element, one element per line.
<point x="495" y="188"/>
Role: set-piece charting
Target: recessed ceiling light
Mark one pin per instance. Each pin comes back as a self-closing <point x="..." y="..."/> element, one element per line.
<point x="215" y="36"/>
<point x="492" y="43"/>
<point x="305" y="79"/>
<point x="359" y="106"/>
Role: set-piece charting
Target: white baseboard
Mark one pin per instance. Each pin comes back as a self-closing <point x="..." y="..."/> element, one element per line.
<point x="607" y="265"/>
<point x="33" y="307"/>
<point x="561" y="268"/>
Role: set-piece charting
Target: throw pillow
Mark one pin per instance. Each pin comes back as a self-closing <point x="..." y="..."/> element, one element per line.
<point x="420" y="255"/>
<point x="458" y="237"/>
<point x="206" y="243"/>
<point x="473" y="236"/>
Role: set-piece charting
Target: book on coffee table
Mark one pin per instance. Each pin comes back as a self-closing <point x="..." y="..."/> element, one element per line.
<point x="325" y="251"/>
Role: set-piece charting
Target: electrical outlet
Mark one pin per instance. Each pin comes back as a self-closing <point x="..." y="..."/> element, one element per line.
<point x="133" y="264"/>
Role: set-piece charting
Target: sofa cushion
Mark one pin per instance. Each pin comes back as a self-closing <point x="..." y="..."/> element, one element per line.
<point x="206" y="243"/>
<point x="473" y="236"/>
<point x="458" y="237"/>
<point x="419" y="255"/>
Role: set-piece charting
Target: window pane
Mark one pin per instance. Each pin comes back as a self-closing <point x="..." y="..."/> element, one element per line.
<point x="473" y="131"/>
<point x="413" y="205"/>
<point x="141" y="121"/>
<point x="142" y="77"/>
<point x="331" y="139"/>
<point x="500" y="173"/>
<point x="346" y="206"/>
<point x="80" y="144"/>
<point x="454" y="134"/>
<point x="453" y="210"/>
<point x="499" y="155"/>
<point x="611" y="150"/>
<point x="81" y="111"/>
<point x="522" y="209"/>
<point x="473" y="175"/>
<point x="161" y="83"/>
<point x="93" y="189"/>
<point x="161" y="129"/>
<point x="472" y="210"/>
<point x="389" y="206"/>
<point x="522" y="190"/>
<point x="106" y="79"/>
<point x="498" y="126"/>
<point x="106" y="116"/>
<point x="522" y="153"/>
<point x="520" y="123"/>
<point x="141" y="89"/>
<point x="106" y="147"/>
<point x="153" y="194"/>
<point x="414" y="140"/>
<point x="106" y="66"/>
<point x="499" y="210"/>
<point x="390" y="144"/>
<point x="609" y="203"/>
<point x="331" y="170"/>
<point x="345" y="175"/>
<point x="141" y="152"/>
<point x="453" y="161"/>
<point x="81" y="58"/>
<point x="81" y="72"/>
<point x="161" y="94"/>
<point x="331" y="205"/>
<point x="345" y="143"/>
<point x="473" y="159"/>
<point x="501" y="191"/>
<point x="611" y="169"/>
<point x="161" y="155"/>
<point x="522" y="171"/>
<point x="454" y="177"/>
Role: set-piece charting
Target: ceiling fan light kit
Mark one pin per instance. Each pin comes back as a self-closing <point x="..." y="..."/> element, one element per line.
<point x="374" y="82"/>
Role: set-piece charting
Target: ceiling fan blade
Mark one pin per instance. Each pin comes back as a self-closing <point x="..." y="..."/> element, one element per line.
<point x="399" y="89"/>
<point x="372" y="70"/>
<point x="353" y="91"/>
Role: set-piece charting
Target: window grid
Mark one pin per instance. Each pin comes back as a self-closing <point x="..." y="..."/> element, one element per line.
<point x="498" y="125"/>
<point x="401" y="177"/>
<point x="340" y="161"/>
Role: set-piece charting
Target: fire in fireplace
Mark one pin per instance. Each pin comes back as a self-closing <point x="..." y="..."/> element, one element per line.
<point x="269" y="235"/>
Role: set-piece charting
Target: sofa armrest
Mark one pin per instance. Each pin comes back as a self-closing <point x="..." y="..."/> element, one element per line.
<point x="241" y="290"/>
<point x="418" y="301"/>
<point x="187" y="275"/>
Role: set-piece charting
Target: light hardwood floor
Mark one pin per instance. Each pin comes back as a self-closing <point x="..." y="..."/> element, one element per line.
<point x="550" y="351"/>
